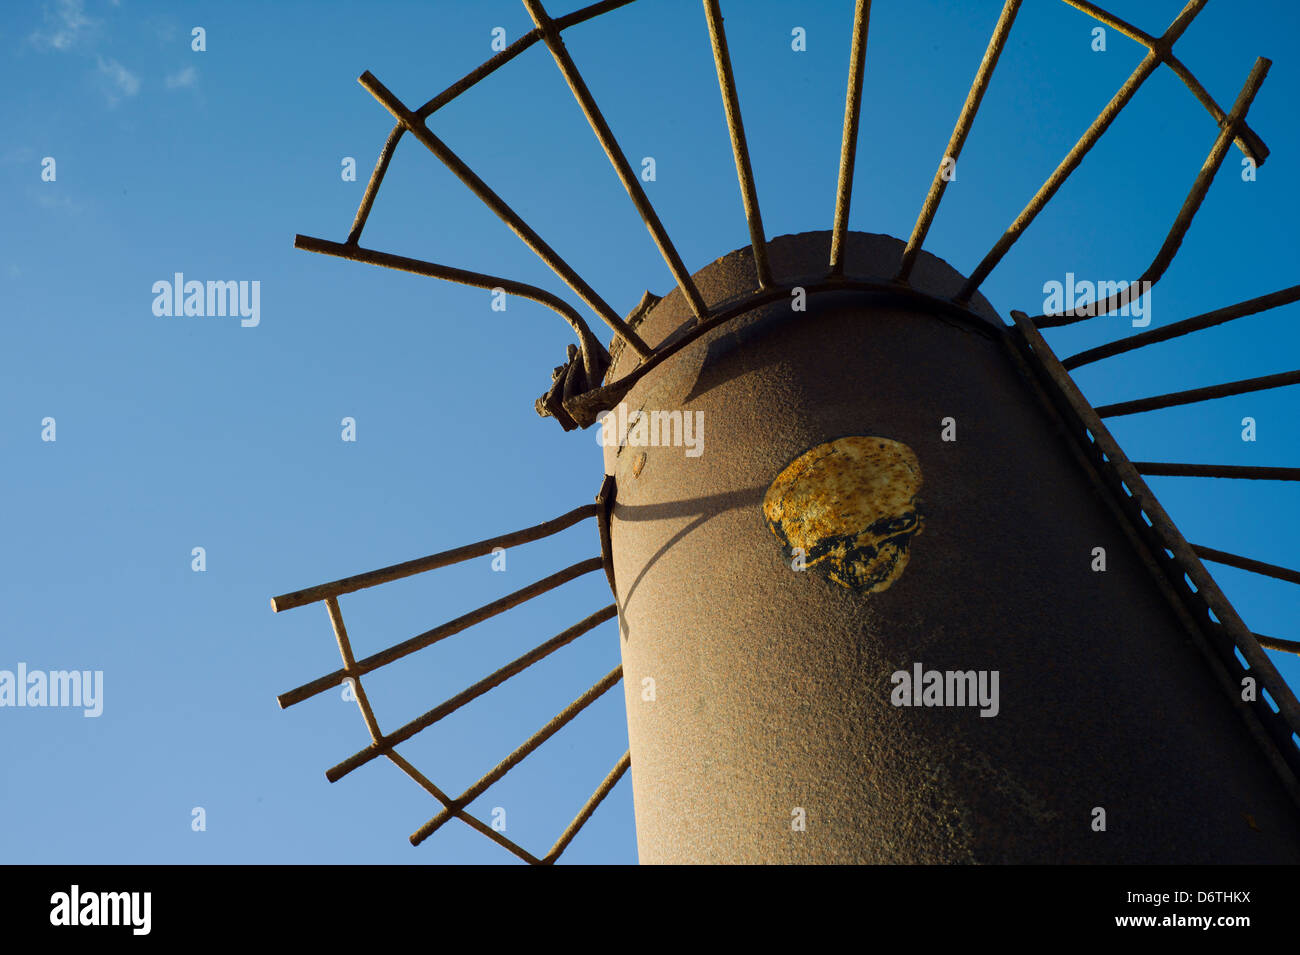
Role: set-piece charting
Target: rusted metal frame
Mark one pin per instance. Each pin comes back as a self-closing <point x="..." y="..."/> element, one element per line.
<point x="739" y="147"/>
<point x="419" y="565"/>
<point x="503" y="211"/>
<point x="965" y="119"/>
<point x="1197" y="589"/>
<point x="469" y="819"/>
<point x="1184" y="327"/>
<point x="485" y="69"/>
<point x="1276" y="643"/>
<point x="1247" y="472"/>
<point x="561" y="719"/>
<point x="1080" y="149"/>
<point x="585" y="407"/>
<point x="632" y="184"/>
<point x="1225" y="390"/>
<point x="1248" y="141"/>
<point x="604" y="508"/>
<point x="1183" y="221"/>
<point x="849" y="142"/>
<point x="597" y="797"/>
<point x="385" y="743"/>
<point x="1247" y="563"/>
<point x="368" y="715"/>
<point x="595" y="358"/>
<point x="349" y="667"/>
<point x="430" y="637"/>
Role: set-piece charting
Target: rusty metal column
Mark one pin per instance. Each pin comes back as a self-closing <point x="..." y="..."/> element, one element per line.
<point x="943" y="524"/>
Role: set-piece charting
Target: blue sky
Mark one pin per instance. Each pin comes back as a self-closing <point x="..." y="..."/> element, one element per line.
<point x="175" y="433"/>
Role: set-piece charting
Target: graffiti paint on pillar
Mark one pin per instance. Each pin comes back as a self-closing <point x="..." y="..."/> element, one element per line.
<point x="850" y="507"/>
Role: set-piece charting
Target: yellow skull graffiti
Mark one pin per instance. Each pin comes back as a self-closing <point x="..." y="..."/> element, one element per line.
<point x="849" y="507"/>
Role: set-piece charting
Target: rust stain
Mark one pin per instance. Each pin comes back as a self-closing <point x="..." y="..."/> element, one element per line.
<point x="850" y="506"/>
<point x="637" y="464"/>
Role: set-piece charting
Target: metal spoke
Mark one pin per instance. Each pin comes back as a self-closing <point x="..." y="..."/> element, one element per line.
<point x="731" y="105"/>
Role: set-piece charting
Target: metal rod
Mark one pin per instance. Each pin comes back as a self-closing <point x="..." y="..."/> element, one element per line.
<point x="617" y="159"/>
<point x="605" y="498"/>
<point x="1250" y="473"/>
<point x="468" y="695"/>
<point x="1186" y="326"/>
<point x="1247" y="563"/>
<point x="560" y="720"/>
<point x="429" y="637"/>
<point x="345" y="651"/>
<point x="960" y="131"/>
<point x="472" y="821"/>
<point x="594" y="352"/>
<point x="1183" y="221"/>
<point x="1200" y="394"/>
<point x="849" y="142"/>
<point x="372" y="185"/>
<point x="580" y="820"/>
<point x="1161" y="524"/>
<point x="736" y="127"/>
<point x="421" y="564"/>
<point x="1275" y="643"/>
<point x="1248" y="141"/>
<point x="485" y="69"/>
<point x="1081" y="148"/>
<point x="585" y="406"/>
<point x="503" y="211"/>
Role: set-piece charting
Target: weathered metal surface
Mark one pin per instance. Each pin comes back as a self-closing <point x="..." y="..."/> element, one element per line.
<point x="772" y="687"/>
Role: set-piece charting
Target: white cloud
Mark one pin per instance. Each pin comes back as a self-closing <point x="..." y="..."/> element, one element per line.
<point x="182" y="78"/>
<point x="66" y="26"/>
<point x="119" y="81"/>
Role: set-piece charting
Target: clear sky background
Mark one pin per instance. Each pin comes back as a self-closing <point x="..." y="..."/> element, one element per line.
<point x="175" y="433"/>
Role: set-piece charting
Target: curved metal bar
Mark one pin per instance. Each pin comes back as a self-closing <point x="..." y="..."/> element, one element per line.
<point x="1075" y="156"/>
<point x="595" y="358"/>
<point x="485" y="69"/>
<point x="502" y="210"/>
<point x="1247" y="141"/>
<point x="585" y="407"/>
<point x="1183" y="221"/>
